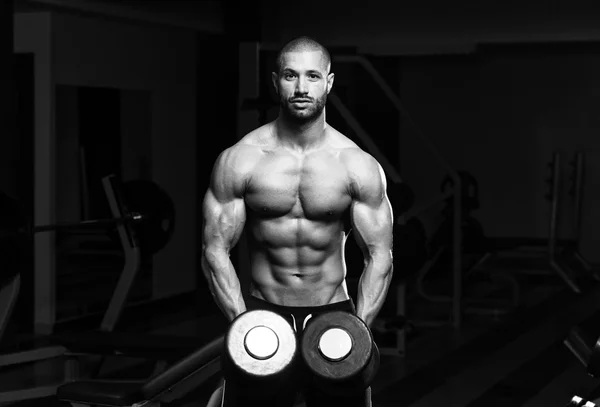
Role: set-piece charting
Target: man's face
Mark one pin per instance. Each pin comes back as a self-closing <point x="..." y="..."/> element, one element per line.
<point x="303" y="85"/>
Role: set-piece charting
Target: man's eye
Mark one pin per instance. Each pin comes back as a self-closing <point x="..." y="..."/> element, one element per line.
<point x="289" y="76"/>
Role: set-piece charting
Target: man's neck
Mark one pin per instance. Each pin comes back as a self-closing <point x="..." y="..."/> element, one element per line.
<point x="300" y="137"/>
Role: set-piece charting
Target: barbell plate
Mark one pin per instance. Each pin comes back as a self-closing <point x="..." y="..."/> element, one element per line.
<point x="357" y="367"/>
<point x="157" y="226"/>
<point x="260" y="344"/>
<point x="335" y="344"/>
<point x="147" y="208"/>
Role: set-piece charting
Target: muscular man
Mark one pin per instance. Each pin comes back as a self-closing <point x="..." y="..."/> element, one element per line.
<point x="295" y="185"/>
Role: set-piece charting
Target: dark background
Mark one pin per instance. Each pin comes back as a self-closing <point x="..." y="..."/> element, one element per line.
<point x="151" y="90"/>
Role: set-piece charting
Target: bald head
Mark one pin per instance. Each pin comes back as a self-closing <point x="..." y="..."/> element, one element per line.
<point x="302" y="80"/>
<point x="303" y="44"/>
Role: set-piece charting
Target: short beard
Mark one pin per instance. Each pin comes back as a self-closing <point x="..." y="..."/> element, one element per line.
<point x="289" y="114"/>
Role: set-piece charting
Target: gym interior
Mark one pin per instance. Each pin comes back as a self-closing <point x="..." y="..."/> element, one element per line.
<point x="481" y="117"/>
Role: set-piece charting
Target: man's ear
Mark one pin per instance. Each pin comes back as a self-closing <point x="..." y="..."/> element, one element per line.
<point x="330" y="79"/>
<point x="274" y="78"/>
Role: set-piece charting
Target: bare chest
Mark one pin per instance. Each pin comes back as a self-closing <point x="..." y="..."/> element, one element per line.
<point x="313" y="187"/>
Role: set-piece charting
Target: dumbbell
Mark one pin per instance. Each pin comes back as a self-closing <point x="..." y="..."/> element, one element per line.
<point x="338" y="348"/>
<point x="259" y="352"/>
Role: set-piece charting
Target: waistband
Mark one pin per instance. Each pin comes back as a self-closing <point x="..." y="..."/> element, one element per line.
<point x="253" y="303"/>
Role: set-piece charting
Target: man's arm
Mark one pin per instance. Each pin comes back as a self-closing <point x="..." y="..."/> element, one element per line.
<point x="372" y="222"/>
<point x="224" y="217"/>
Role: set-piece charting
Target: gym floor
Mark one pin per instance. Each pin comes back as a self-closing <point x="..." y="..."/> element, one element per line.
<point x="508" y="361"/>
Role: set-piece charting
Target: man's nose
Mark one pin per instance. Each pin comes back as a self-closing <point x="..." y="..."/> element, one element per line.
<point x="301" y="86"/>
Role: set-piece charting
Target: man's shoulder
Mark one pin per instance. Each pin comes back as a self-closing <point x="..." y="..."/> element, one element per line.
<point x="254" y="141"/>
<point x="349" y="150"/>
<point x="249" y="146"/>
<point x="360" y="163"/>
<point x="340" y="141"/>
<point x="357" y="159"/>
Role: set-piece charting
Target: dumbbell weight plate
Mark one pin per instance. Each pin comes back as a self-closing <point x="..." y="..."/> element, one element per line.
<point x="259" y="345"/>
<point x="338" y="349"/>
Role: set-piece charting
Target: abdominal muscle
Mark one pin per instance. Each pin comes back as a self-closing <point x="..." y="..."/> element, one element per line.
<point x="295" y="265"/>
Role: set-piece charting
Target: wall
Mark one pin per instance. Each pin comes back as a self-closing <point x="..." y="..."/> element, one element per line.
<point x="33" y="34"/>
<point x="9" y="145"/>
<point x="430" y="27"/>
<point x="68" y="170"/>
<point x="548" y="97"/>
<point x="440" y="94"/>
<point x="102" y="53"/>
<point x="497" y="113"/>
<point x="205" y="15"/>
<point x="79" y="113"/>
<point x="501" y="113"/>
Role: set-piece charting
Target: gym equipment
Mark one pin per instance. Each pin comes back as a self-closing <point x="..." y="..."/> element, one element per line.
<point x="147" y="208"/>
<point x="103" y="342"/>
<point x="260" y="349"/>
<point x="577" y="401"/>
<point x="485" y="293"/>
<point x="157" y="225"/>
<point x="554" y="213"/>
<point x="586" y="349"/>
<point x="575" y="281"/>
<point x="546" y="250"/>
<point x="195" y="373"/>
<point x="496" y="250"/>
<point x="551" y="181"/>
<point x="469" y="190"/>
<point x="338" y="348"/>
<point x="571" y="250"/>
<point x="473" y="236"/>
<point x="410" y="238"/>
<point x="194" y="377"/>
<point x="477" y="288"/>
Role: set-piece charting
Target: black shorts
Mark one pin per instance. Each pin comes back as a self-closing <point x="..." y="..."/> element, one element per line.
<point x="300" y="385"/>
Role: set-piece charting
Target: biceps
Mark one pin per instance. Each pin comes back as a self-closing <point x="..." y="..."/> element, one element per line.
<point x="223" y="221"/>
<point x="373" y="226"/>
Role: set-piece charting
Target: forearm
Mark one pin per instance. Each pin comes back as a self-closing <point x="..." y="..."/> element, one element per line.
<point x="373" y="287"/>
<point x="223" y="283"/>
